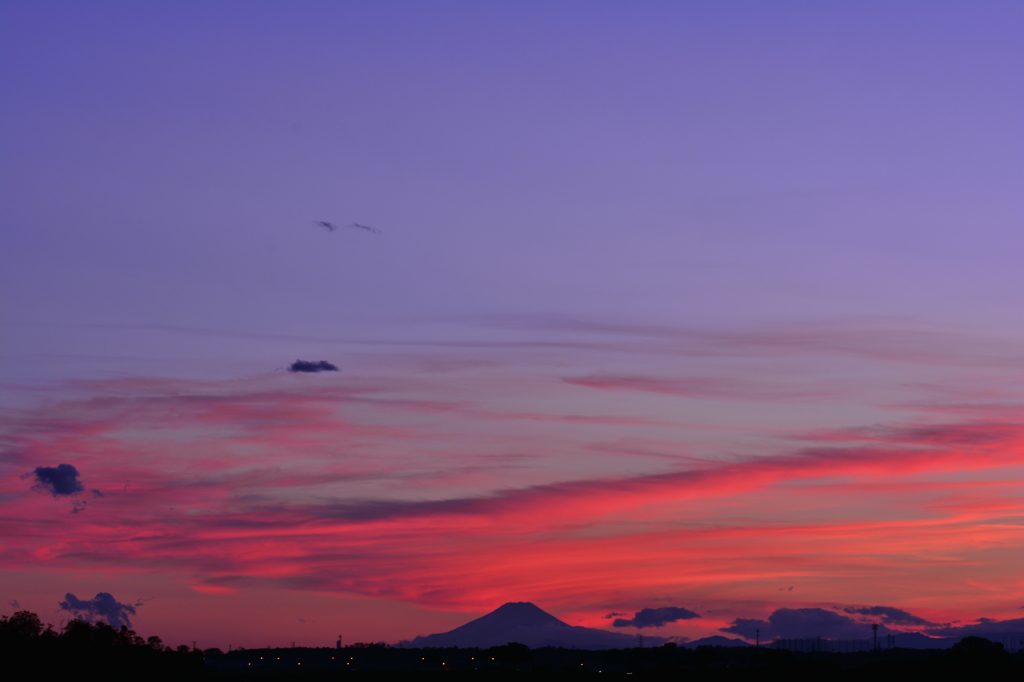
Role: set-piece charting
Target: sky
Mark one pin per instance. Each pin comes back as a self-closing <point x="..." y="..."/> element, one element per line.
<point x="710" y="306"/>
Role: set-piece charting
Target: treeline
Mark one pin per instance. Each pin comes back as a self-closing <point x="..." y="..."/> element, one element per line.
<point x="27" y="647"/>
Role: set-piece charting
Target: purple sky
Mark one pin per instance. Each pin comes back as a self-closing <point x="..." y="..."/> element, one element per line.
<point x="755" y="221"/>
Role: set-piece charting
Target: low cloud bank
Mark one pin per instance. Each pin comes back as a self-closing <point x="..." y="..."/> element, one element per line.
<point x="985" y="626"/>
<point x="813" y="622"/>
<point x="101" y="607"/>
<point x="799" y="623"/>
<point x="655" y="618"/>
<point x="890" y="615"/>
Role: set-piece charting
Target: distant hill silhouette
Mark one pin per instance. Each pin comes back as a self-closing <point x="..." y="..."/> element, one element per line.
<point x="715" y="640"/>
<point x="527" y="624"/>
<point x="915" y="640"/>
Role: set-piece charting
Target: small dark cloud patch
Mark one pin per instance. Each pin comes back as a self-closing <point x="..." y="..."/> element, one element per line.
<point x="59" y="481"/>
<point x="101" y="607"/>
<point x="614" y="614"/>
<point x="78" y="506"/>
<point x="307" y="366"/>
<point x="655" y="618"/>
<point x="890" y="615"/>
<point x="14" y="604"/>
<point x="97" y="493"/>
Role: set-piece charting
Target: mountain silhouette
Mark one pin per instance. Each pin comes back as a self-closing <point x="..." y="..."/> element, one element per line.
<point x="527" y="624"/>
<point x="715" y="640"/>
<point x="915" y="640"/>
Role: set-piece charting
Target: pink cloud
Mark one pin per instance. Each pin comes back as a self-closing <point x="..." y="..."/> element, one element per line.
<point x="430" y="492"/>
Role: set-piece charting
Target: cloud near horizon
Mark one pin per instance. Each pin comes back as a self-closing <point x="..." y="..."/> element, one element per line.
<point x="801" y="623"/>
<point x="889" y="615"/>
<point x="987" y="626"/>
<point x="655" y="618"/>
<point x="102" y="607"/>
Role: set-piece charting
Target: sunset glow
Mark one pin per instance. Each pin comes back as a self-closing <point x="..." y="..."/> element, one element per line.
<point x="751" y="341"/>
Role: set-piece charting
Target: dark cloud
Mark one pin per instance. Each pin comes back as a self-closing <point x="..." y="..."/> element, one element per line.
<point x="748" y="627"/>
<point x="797" y="623"/>
<point x="78" y="506"/>
<point x="101" y="607"/>
<point x="655" y="618"/>
<point x="613" y="614"/>
<point x="97" y="493"/>
<point x="890" y="615"/>
<point x="308" y="366"/>
<point x="985" y="626"/>
<point x="60" y="481"/>
<point x="14" y="603"/>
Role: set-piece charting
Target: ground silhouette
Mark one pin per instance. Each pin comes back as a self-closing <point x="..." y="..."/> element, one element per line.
<point x="31" y="650"/>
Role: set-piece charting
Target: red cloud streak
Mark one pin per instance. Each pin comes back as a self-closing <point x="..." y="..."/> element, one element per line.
<point x="311" y="490"/>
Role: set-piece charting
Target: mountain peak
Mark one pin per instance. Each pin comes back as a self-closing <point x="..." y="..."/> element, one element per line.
<point x="520" y="614"/>
<point x="523" y="622"/>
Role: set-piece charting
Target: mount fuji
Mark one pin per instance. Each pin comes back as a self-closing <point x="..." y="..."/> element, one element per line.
<point x="527" y="624"/>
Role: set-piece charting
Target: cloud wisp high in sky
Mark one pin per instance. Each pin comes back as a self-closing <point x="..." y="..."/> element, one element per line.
<point x="711" y="306"/>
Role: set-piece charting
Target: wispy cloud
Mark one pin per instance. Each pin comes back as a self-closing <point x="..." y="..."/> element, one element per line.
<point x="697" y="387"/>
<point x="468" y="487"/>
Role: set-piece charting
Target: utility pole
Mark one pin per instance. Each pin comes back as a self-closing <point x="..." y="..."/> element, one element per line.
<point x="874" y="632"/>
